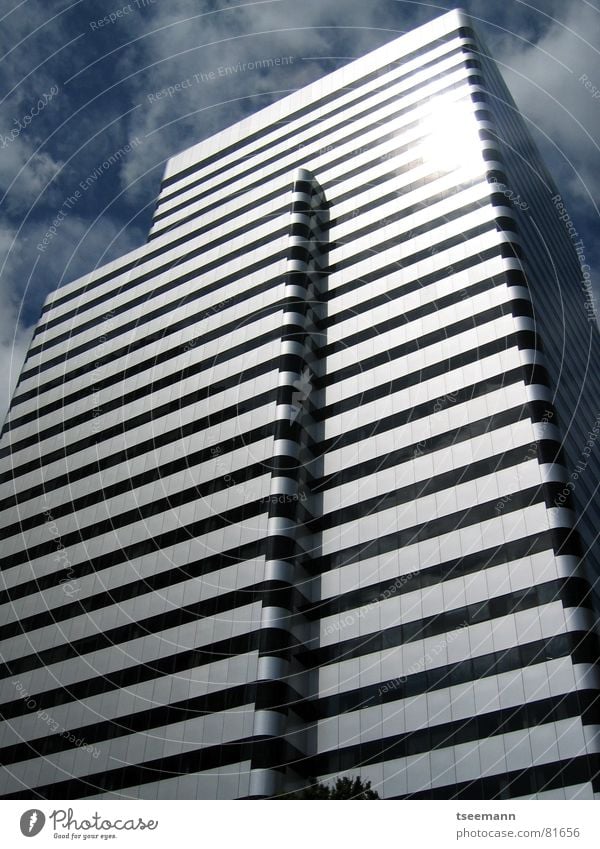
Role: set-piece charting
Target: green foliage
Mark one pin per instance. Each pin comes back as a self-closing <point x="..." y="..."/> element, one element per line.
<point x="342" y="788"/>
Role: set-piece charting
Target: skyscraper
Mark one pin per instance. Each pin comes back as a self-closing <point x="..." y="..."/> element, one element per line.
<point x="291" y="490"/>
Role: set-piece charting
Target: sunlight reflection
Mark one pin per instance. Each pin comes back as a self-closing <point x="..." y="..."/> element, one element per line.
<point x="452" y="142"/>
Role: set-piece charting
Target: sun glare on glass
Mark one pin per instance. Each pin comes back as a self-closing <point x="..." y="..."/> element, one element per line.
<point x="451" y="142"/>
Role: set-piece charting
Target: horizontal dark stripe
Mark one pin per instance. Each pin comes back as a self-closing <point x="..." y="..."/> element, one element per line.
<point x="154" y="582"/>
<point x="309" y="111"/>
<point x="406" y="261"/>
<point x="290" y="363"/>
<point x="523" y="339"/>
<point x="189" y="320"/>
<point x="388" y="297"/>
<point x="211" y="757"/>
<point x="583" y="703"/>
<point x="420" y="343"/>
<point x="447" y="439"/>
<point x="265" y="755"/>
<point x="49" y="362"/>
<point x="216" y="189"/>
<point x="244" y="177"/>
<point x="461" y="396"/>
<point x="267" y="592"/>
<point x="158" y="356"/>
<point x="403" y="236"/>
<point x="520" y="782"/>
<point x="147" y="257"/>
<point x="211" y="420"/>
<point x="471" y="729"/>
<point x="569" y="591"/>
<point x="141" y="512"/>
<point x="203" y="393"/>
<point x="181" y="463"/>
<point x="417" y="283"/>
<point x="171" y="664"/>
<point x="381" y="199"/>
<point x="129" y="453"/>
<point x="272" y="259"/>
<point x="142" y="299"/>
<point x="582" y="647"/>
<point x="127" y="553"/>
<point x="350" y="512"/>
<point x="300" y="252"/>
<point x="261" y="368"/>
<point x="228" y="699"/>
<point x="133" y="631"/>
<point x="349" y="437"/>
<point x="278" y="692"/>
<point x="422" y="578"/>
<point x="519" y="339"/>
<point x="565" y="590"/>
<point x="159" y="336"/>
<point x="505" y="278"/>
<point x="399" y="196"/>
<point x="215" y="223"/>
<point x="388" y="177"/>
<point x="231" y="448"/>
<point x="433" y="528"/>
<point x="357" y="510"/>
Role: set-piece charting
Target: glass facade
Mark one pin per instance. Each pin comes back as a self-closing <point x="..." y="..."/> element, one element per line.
<point x="285" y="491"/>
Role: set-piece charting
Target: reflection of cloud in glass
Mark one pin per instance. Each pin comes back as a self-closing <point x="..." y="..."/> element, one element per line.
<point x="452" y="142"/>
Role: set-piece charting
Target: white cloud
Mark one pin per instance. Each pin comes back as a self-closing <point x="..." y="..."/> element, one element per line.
<point x="544" y="78"/>
<point x="78" y="248"/>
<point x="193" y="38"/>
<point x="14" y="336"/>
<point x="24" y="174"/>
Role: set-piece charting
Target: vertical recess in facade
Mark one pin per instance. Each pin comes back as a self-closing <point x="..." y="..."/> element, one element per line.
<point x="282" y="628"/>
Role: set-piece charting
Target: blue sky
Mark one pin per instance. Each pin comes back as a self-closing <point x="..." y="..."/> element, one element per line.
<point x="78" y="86"/>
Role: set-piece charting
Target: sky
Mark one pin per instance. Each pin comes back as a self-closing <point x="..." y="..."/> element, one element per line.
<point x="79" y="84"/>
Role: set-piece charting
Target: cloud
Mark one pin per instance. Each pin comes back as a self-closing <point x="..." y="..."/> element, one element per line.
<point x="27" y="275"/>
<point x="188" y="38"/>
<point x="109" y="103"/>
<point x="546" y="75"/>
<point x="545" y="79"/>
<point x="14" y="336"/>
<point x="24" y="175"/>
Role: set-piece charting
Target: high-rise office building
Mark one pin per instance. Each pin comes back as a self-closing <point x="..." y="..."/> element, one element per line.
<point x="291" y="491"/>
